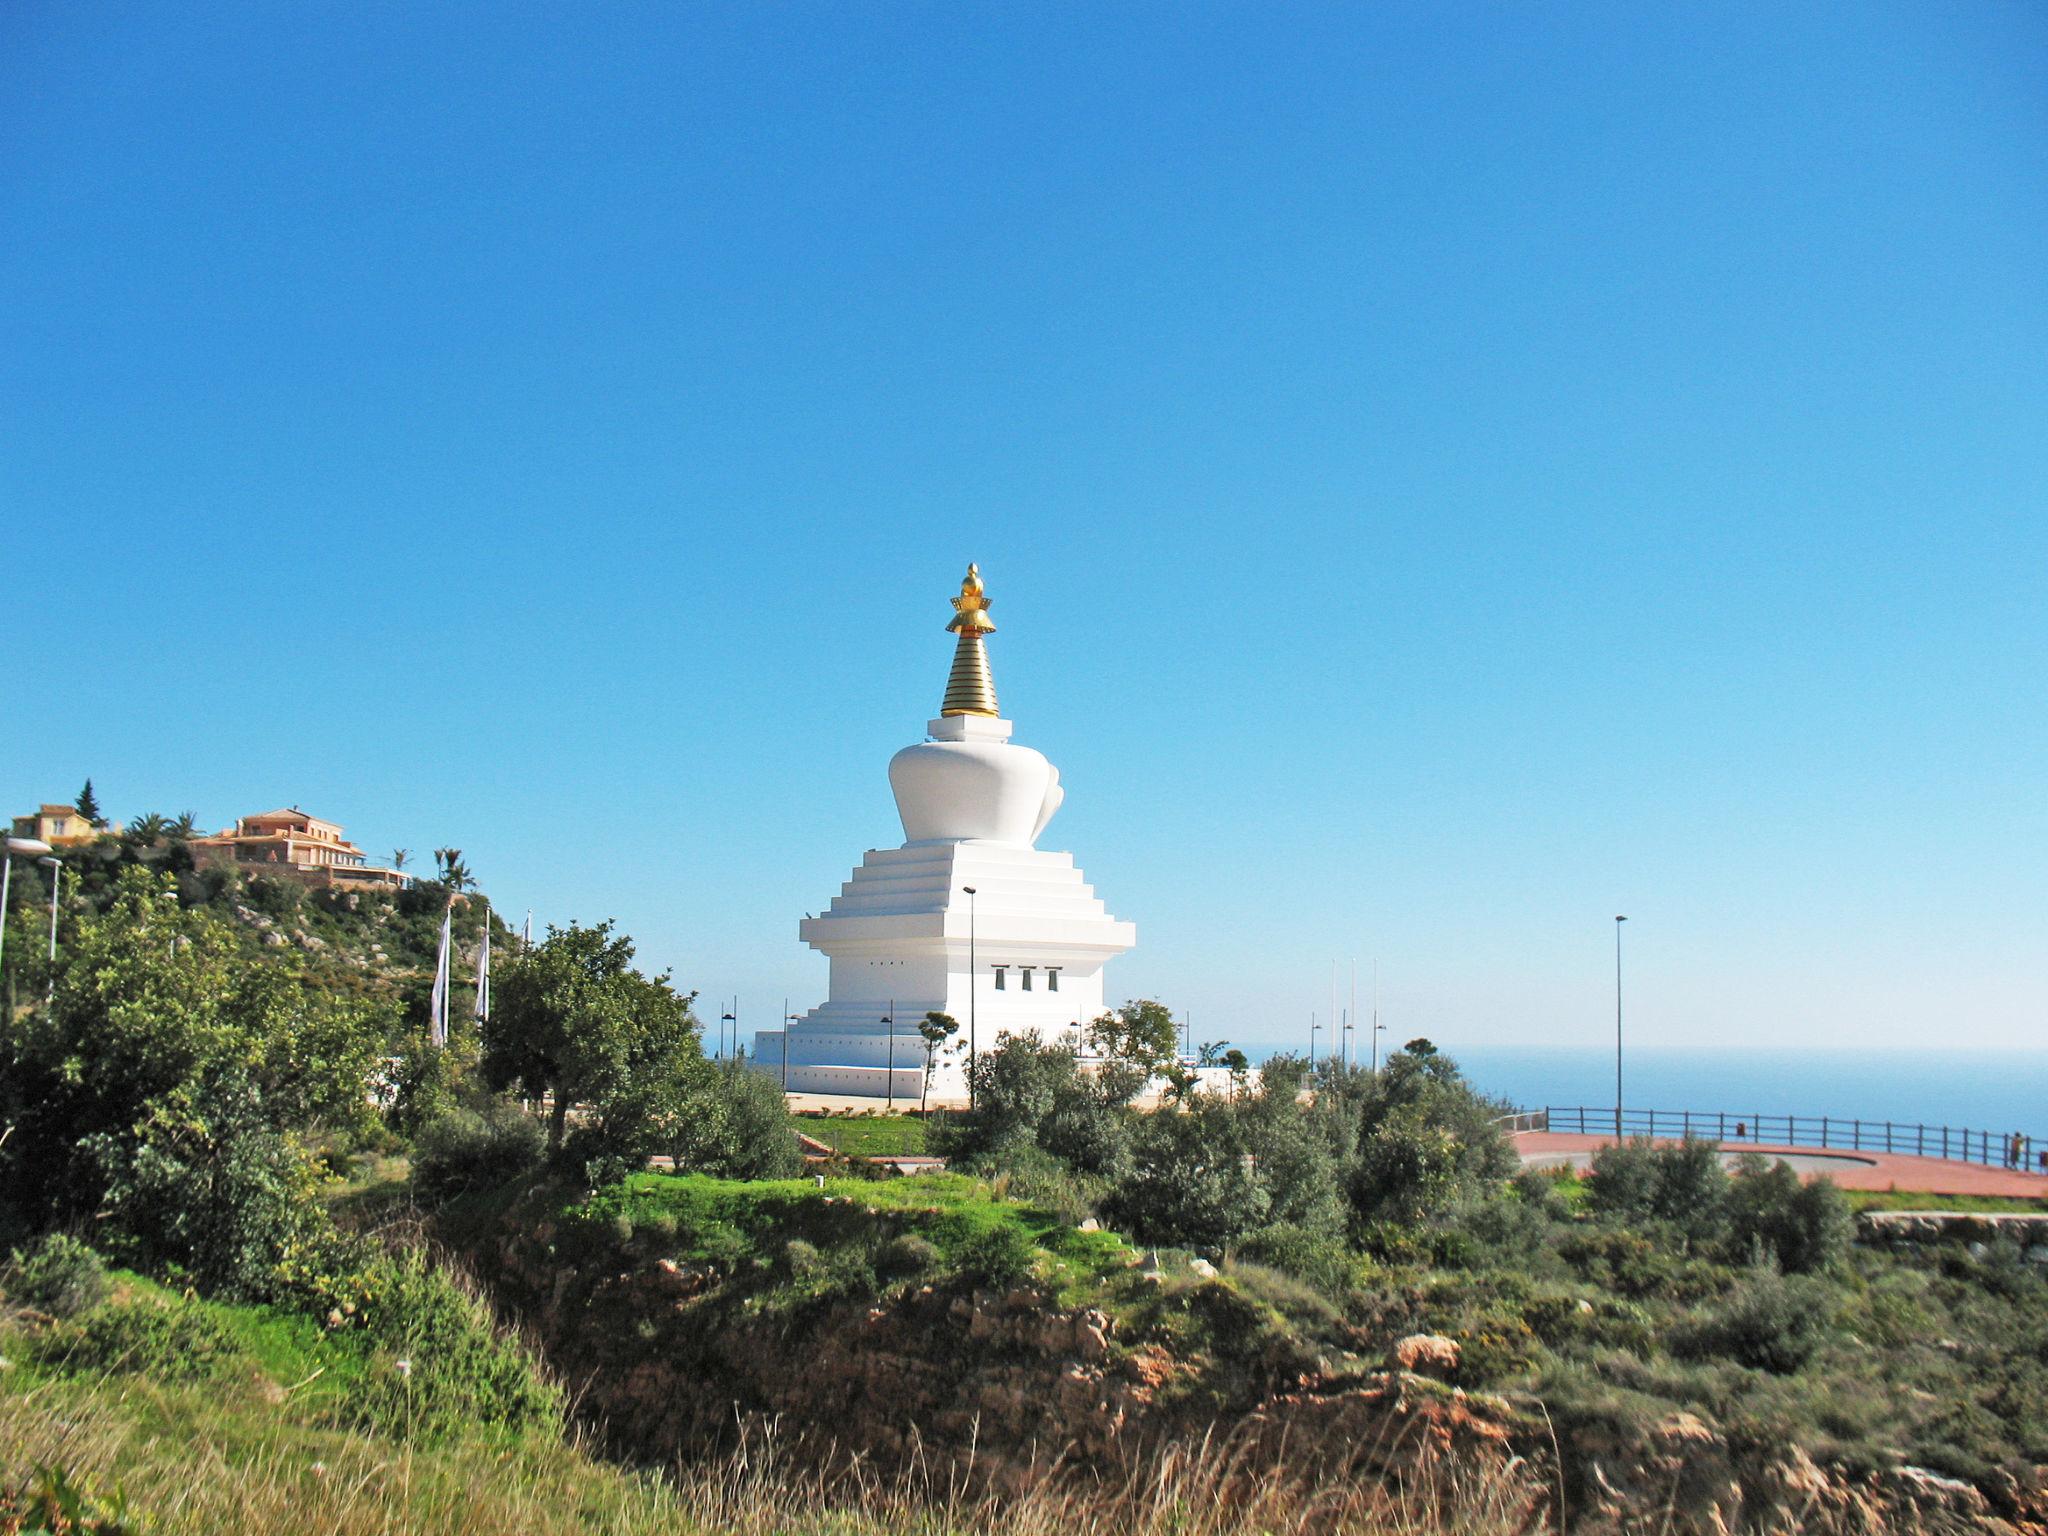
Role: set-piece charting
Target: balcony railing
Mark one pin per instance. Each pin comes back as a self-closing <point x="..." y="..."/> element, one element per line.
<point x="1737" y="1128"/>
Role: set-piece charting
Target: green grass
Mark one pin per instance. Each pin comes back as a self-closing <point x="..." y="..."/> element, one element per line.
<point x="696" y="1218"/>
<point x="1911" y="1200"/>
<point x="868" y="1135"/>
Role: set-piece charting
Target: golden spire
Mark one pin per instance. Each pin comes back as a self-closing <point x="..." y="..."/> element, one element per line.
<point x="970" y="690"/>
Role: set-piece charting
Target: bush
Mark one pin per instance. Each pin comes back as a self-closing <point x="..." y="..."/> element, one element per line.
<point x="1683" y="1186"/>
<point x="206" y="1183"/>
<point x="1037" y="1178"/>
<point x="1769" y="1322"/>
<point x="1804" y="1228"/>
<point x="475" y="1148"/>
<point x="1194" y="1186"/>
<point x="438" y="1365"/>
<point x="59" y="1275"/>
<point x="171" y="1340"/>
<point x="906" y="1257"/>
<point x="734" y="1124"/>
<point x="995" y="1255"/>
<point x="1311" y="1257"/>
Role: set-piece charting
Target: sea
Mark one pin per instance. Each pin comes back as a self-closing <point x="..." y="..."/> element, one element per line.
<point x="1996" y="1091"/>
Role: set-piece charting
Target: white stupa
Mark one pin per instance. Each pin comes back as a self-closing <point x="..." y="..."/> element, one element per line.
<point x="969" y="917"/>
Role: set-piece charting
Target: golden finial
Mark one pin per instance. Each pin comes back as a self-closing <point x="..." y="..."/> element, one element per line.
<point x="970" y="608"/>
<point x="970" y="690"/>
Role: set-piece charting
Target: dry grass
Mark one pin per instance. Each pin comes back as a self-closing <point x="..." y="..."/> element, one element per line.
<point x="194" y="1462"/>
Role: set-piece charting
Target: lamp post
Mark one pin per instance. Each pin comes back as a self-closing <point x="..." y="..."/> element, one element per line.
<point x="889" y="1019"/>
<point x="733" y="1019"/>
<point x="17" y="847"/>
<point x="1311" y="1042"/>
<point x="55" y="866"/>
<point x="788" y="1019"/>
<point x="1377" y="1026"/>
<point x="973" y="989"/>
<point x="1618" y="921"/>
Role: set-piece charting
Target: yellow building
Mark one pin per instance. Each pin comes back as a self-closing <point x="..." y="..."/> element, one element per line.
<point x="60" y="826"/>
<point x="289" y="842"/>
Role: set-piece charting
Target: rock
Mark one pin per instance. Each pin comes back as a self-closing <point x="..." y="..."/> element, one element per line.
<point x="1089" y="1225"/>
<point x="1203" y="1268"/>
<point x="1091" y="1341"/>
<point x="1930" y="1490"/>
<point x="1425" y="1354"/>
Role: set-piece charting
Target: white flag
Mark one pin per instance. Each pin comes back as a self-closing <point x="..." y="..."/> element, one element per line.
<point x="437" y="1022"/>
<point x="483" y="969"/>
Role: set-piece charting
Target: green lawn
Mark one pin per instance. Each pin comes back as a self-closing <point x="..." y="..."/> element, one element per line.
<point x="867" y="1135"/>
<point x="1910" y="1200"/>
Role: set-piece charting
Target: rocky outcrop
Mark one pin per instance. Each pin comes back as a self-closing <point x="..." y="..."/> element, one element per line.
<point x="670" y="1358"/>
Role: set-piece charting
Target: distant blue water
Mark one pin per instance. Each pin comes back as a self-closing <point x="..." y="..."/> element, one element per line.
<point x="1996" y="1091"/>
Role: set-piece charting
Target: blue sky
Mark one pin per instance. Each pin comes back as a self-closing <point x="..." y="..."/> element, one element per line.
<point x="1445" y="476"/>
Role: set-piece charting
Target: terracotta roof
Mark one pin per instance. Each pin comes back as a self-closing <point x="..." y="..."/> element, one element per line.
<point x="57" y="810"/>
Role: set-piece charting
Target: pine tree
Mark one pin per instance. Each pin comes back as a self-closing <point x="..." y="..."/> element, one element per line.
<point x="89" y="806"/>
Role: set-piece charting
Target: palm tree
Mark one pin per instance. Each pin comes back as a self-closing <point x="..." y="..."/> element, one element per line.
<point x="183" y="828"/>
<point x="454" y="873"/>
<point x="147" y="830"/>
<point x="399" y="856"/>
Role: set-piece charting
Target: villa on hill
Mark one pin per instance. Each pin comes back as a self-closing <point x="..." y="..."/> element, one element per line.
<point x="290" y="842"/>
<point x="60" y="826"/>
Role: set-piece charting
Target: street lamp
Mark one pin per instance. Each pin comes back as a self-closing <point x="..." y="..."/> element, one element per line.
<point x="1618" y="921"/>
<point x="56" y="867"/>
<point x="788" y="1019"/>
<point x="973" y="989"/>
<point x="733" y="1019"/>
<point x="889" y="1019"/>
<point x="17" y="847"/>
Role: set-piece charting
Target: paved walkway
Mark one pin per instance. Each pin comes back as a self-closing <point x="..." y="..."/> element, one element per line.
<point x="1851" y="1170"/>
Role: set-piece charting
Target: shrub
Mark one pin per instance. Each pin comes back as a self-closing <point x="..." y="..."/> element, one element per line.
<point x="1805" y="1228"/>
<point x="994" y="1255"/>
<point x="1769" y="1322"/>
<point x="1194" y="1185"/>
<point x="733" y="1123"/>
<point x="1682" y="1185"/>
<point x="906" y="1257"/>
<point x="1314" y="1258"/>
<point x="59" y="1275"/>
<point x="475" y="1148"/>
<point x="172" y="1340"/>
<point x="1037" y="1178"/>
<point x="439" y="1365"/>
<point x="55" y="1501"/>
<point x="204" y="1182"/>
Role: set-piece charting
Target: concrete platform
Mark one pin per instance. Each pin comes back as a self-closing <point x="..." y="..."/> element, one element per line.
<point x="1851" y="1170"/>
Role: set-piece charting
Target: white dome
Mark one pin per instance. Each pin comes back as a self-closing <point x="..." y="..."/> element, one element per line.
<point x="990" y="791"/>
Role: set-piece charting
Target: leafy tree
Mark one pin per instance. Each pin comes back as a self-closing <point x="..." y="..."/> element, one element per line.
<point x="89" y="806"/>
<point x="1682" y="1186"/>
<point x="1193" y="1184"/>
<point x="166" y="1084"/>
<point x="1299" y="1148"/>
<point x="572" y="1018"/>
<point x="936" y="1029"/>
<point x="1135" y="1042"/>
<point x="735" y="1124"/>
<point x="1804" y="1228"/>
<point x="1425" y="1139"/>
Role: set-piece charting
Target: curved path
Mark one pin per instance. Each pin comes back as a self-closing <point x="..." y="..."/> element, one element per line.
<point x="1851" y="1170"/>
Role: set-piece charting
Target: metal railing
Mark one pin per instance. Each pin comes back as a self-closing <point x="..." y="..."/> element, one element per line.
<point x="1735" y="1128"/>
